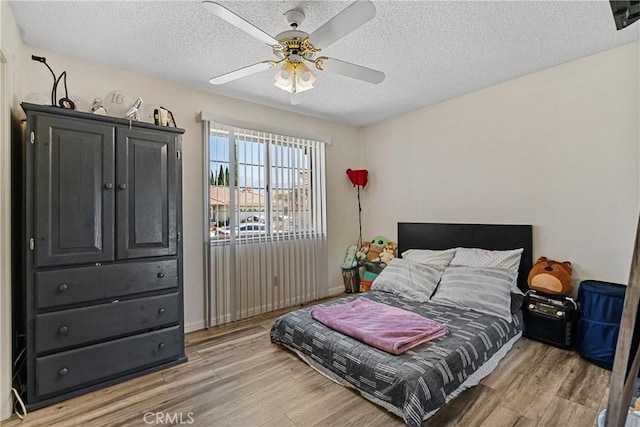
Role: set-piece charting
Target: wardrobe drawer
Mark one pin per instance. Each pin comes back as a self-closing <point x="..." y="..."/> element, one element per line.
<point x="68" y="328"/>
<point x="74" y="285"/>
<point x="101" y="362"/>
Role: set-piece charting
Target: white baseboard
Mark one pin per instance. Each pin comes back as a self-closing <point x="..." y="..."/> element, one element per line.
<point x="336" y="290"/>
<point x="254" y="311"/>
<point x="193" y="326"/>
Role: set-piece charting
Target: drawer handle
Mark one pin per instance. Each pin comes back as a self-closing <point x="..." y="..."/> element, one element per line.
<point x="160" y="275"/>
<point x="161" y="345"/>
<point x="63" y="329"/>
<point x="63" y="287"/>
<point x="62" y="372"/>
<point x="161" y="310"/>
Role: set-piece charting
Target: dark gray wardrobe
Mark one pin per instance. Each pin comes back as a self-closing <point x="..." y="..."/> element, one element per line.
<point x="97" y="294"/>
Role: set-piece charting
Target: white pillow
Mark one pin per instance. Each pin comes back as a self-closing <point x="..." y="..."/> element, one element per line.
<point x="407" y="278"/>
<point x="486" y="290"/>
<point x="475" y="257"/>
<point x="428" y="256"/>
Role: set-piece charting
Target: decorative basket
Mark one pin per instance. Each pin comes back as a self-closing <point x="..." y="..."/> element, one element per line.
<point x="351" y="280"/>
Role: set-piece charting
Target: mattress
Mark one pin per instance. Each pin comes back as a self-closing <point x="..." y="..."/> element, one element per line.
<point x="412" y="385"/>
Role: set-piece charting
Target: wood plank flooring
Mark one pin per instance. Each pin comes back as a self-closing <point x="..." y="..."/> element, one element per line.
<point x="235" y="377"/>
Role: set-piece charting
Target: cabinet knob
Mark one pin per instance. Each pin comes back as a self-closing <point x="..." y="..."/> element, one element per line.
<point x="63" y="287"/>
<point x="161" y="310"/>
<point x="161" y="345"/>
<point x="160" y="275"/>
<point x="63" y="329"/>
<point x="108" y="186"/>
<point x="122" y="186"/>
<point x="63" y="371"/>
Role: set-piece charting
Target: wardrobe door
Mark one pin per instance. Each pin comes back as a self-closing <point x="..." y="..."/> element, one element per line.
<point x="146" y="193"/>
<point x="74" y="191"/>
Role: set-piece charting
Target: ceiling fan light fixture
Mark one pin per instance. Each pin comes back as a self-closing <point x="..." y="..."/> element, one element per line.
<point x="293" y="48"/>
<point x="294" y="77"/>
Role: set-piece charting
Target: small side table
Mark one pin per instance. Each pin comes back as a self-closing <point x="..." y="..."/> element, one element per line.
<point x="550" y="319"/>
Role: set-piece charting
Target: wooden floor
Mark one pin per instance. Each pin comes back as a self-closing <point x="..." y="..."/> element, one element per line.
<point x="236" y="377"/>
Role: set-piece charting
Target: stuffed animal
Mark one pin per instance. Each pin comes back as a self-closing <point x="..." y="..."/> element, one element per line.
<point x="378" y="244"/>
<point x="350" y="260"/>
<point x="392" y="247"/>
<point x="551" y="277"/>
<point x="361" y="255"/>
<point x="387" y="255"/>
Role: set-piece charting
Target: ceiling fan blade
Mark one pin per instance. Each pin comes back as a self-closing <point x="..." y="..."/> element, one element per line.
<point x="343" y="23"/>
<point x="350" y="70"/>
<point x="297" y="98"/>
<point x="242" y="72"/>
<point x="233" y="19"/>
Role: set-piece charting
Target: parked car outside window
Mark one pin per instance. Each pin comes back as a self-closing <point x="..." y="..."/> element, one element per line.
<point x="241" y="231"/>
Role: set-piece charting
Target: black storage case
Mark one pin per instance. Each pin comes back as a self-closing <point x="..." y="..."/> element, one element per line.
<point x="552" y="320"/>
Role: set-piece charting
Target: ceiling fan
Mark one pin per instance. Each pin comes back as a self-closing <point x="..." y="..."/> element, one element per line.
<point x="294" y="49"/>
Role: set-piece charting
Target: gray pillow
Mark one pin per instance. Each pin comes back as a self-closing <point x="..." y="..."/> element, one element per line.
<point x="411" y="279"/>
<point x="480" y="258"/>
<point x="428" y="256"/>
<point x="486" y="290"/>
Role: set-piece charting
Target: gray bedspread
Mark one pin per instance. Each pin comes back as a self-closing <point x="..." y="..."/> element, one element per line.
<point x="416" y="382"/>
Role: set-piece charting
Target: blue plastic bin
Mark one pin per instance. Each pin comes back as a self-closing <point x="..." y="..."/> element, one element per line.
<point x="601" y="305"/>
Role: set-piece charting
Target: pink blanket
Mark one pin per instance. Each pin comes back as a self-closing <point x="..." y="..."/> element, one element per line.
<point x="388" y="328"/>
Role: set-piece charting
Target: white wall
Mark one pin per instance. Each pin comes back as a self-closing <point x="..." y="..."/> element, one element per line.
<point x="90" y="80"/>
<point x="558" y="149"/>
<point x="10" y="44"/>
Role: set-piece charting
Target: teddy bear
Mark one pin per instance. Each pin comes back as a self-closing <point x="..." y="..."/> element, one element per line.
<point x="551" y="277"/>
<point x="392" y="247"/>
<point x="361" y="255"/>
<point x="378" y="244"/>
<point x="387" y="255"/>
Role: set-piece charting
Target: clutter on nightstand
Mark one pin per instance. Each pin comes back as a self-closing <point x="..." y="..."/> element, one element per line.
<point x="370" y="273"/>
<point x="374" y="255"/>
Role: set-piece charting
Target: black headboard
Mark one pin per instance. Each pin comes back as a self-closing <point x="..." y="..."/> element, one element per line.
<point x="415" y="235"/>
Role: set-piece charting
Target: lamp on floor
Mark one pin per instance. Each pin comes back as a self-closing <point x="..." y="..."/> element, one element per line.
<point x="359" y="179"/>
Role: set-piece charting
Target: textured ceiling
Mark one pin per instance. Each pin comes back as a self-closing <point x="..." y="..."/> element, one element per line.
<point x="430" y="51"/>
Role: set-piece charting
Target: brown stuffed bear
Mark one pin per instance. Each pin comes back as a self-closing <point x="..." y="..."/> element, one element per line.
<point x="551" y="277"/>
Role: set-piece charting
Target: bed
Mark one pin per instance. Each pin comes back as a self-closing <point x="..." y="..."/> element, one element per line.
<point x="415" y="384"/>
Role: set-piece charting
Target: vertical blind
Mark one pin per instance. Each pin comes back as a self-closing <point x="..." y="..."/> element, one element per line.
<point x="265" y="247"/>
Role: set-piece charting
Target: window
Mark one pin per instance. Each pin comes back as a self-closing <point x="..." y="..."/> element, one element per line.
<point x="271" y="181"/>
<point x="266" y="221"/>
